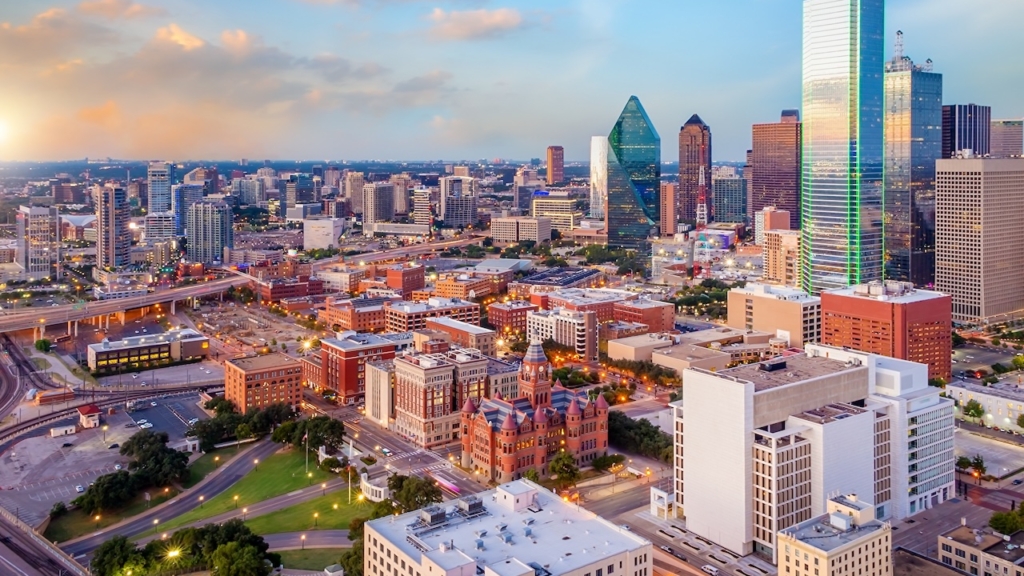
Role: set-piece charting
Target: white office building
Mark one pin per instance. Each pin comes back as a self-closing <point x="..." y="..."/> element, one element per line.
<point x="761" y="447"/>
<point x="578" y="330"/>
<point x="598" y="176"/>
<point x="322" y="233"/>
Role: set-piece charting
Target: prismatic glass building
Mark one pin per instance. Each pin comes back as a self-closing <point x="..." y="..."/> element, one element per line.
<point x="913" y="142"/>
<point x="841" y="215"/>
<point x="633" y="179"/>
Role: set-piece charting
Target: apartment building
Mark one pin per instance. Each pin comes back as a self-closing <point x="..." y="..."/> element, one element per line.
<point x="518" y="528"/>
<point x="846" y="540"/>
<point x="509" y="317"/>
<point x="363" y="314"/>
<point x="464" y="286"/>
<point x="891" y="319"/>
<point x="341" y="365"/>
<point x="761" y="447"/>
<point x="781" y="256"/>
<point x="787" y="312"/>
<point x="982" y="551"/>
<point x="515" y="229"/>
<point x="577" y="330"/>
<point x="465" y="334"/>
<point x="259" y="381"/>
<point x="407" y="316"/>
<point x="658" y="316"/>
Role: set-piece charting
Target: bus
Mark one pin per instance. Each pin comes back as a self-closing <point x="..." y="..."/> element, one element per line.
<point x="444" y="484"/>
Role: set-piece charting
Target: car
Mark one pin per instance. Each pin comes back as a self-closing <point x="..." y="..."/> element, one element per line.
<point x="709" y="569"/>
<point x="668" y="549"/>
<point x="79" y="488"/>
<point x="67" y="445"/>
<point x="141" y="422"/>
<point x="117" y="466"/>
<point x="130" y="425"/>
<point x="153" y="404"/>
<point x="1018" y="482"/>
<point x="193" y="421"/>
<point x="385" y="451"/>
<point x="626" y="527"/>
<point x="996" y="428"/>
<point x="146" y="426"/>
<point x="135" y="376"/>
<point x="143" y="384"/>
<point x="112" y="446"/>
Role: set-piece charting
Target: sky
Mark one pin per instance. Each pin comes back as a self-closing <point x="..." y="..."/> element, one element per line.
<point x="434" y="79"/>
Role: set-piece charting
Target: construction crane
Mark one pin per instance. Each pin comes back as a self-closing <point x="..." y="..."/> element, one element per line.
<point x="703" y="255"/>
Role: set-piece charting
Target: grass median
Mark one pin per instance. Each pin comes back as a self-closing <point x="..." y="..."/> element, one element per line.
<point x="311" y="558"/>
<point x="331" y="512"/>
<point x="207" y="463"/>
<point x="77" y="523"/>
<point x="279" y="474"/>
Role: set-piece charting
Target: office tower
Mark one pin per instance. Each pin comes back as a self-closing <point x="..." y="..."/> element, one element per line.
<point x="846" y="539"/>
<point x="183" y="196"/>
<point x="556" y="165"/>
<point x="598" y="176"/>
<point x="557" y="207"/>
<point x="748" y="174"/>
<point x="842" y="156"/>
<point x="634" y="179"/>
<point x="298" y="189"/>
<point x="160" y="175"/>
<point x="694" y="153"/>
<point x="39" y="242"/>
<point x="525" y="183"/>
<point x="250" y="190"/>
<point x="770" y="218"/>
<point x="113" y="238"/>
<point x="781" y="256"/>
<point x="1007" y="138"/>
<point x="789" y="312"/>
<point x="978" y="237"/>
<point x="421" y="207"/>
<point x="458" y="201"/>
<point x="913" y="142"/>
<point x="775" y="160"/>
<point x="668" y="208"/>
<point x="352" y="189"/>
<point x="378" y="203"/>
<point x="730" y="199"/>
<point x="966" y="127"/>
<point x="210" y="230"/>
<point x="403" y="184"/>
<point x="890" y="319"/>
<point x="332" y="177"/>
<point x="762" y="447"/>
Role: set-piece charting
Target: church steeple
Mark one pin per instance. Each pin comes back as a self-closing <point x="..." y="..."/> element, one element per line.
<point x="535" y="377"/>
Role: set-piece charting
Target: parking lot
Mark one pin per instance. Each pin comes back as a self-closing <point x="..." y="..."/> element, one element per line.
<point x="1000" y="457"/>
<point x="170" y="415"/>
<point x="969" y="358"/>
<point x="202" y="372"/>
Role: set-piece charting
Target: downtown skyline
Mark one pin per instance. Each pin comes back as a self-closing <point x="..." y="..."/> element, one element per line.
<point x="414" y="80"/>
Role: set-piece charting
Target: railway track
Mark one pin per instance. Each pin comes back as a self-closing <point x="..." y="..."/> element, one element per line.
<point x="24" y="368"/>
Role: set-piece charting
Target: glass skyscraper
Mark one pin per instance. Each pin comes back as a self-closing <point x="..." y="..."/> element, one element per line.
<point x="634" y="179"/>
<point x="841" y="215"/>
<point x="913" y="142"/>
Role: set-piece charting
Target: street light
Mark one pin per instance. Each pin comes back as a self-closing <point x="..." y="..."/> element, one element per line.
<point x="97" y="519"/>
<point x="256" y="463"/>
<point x="303" y="538"/>
<point x="310" y="477"/>
<point x="105" y="432"/>
<point x="244" y="510"/>
<point x="236" y="501"/>
<point x="323" y="488"/>
<point x="316" y="518"/>
<point x="201" y="498"/>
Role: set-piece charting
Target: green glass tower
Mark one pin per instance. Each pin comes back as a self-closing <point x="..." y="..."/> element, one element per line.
<point x="843" y="93"/>
<point x="634" y="179"/>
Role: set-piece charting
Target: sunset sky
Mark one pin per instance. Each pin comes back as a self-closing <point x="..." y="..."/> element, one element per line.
<point x="412" y="79"/>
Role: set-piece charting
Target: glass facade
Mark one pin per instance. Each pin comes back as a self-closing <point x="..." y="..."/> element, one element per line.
<point x="633" y="179"/>
<point x="598" y="176"/>
<point x="842" y="164"/>
<point x="694" y="153"/>
<point x="913" y="142"/>
<point x="730" y="200"/>
<point x="774" y="161"/>
<point x="966" y="127"/>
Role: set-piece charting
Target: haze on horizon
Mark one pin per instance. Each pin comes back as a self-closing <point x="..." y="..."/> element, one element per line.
<point x="455" y="79"/>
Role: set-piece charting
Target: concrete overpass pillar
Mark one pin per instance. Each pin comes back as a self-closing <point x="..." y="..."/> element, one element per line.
<point x="173" y="309"/>
<point x="69" y="328"/>
<point x="123" y="315"/>
<point x="76" y="328"/>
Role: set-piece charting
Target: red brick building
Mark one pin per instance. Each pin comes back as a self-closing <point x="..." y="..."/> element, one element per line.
<point x="279" y="289"/>
<point x="357" y="314"/>
<point x="658" y="316"/>
<point x="509" y="317"/>
<point x="406" y="316"/>
<point x="584" y="300"/>
<point x="892" y="319"/>
<point x="342" y="364"/>
<point x="405" y="278"/>
<point x="504" y="439"/>
<point x="259" y="381"/>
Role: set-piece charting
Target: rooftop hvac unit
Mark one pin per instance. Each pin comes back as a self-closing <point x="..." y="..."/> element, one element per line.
<point x="432" y="515"/>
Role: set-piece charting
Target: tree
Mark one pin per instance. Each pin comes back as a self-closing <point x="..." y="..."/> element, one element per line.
<point x="243" y="431"/>
<point x="114" y="555"/>
<point x="412" y="492"/>
<point x="1007" y="522"/>
<point x="606" y="461"/>
<point x="1020" y="421"/>
<point x="972" y="409"/>
<point x="978" y="465"/>
<point x="963" y="462"/>
<point x="532" y="475"/>
<point x="330" y="464"/>
<point x="43" y="345"/>
<point x="154" y="463"/>
<point x="938" y="382"/>
<point x="284" y="433"/>
<point x="1018" y="362"/>
<point x="107" y="492"/>
<point x="220" y="405"/>
<point x="59" y="509"/>
<point x="564" y="466"/>
<point x="235" y="559"/>
<point x="638" y="436"/>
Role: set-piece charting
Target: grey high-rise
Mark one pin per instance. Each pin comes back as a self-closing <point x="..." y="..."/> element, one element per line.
<point x="913" y="142"/>
<point x="843" y="93"/>
<point x="160" y="175"/>
<point x="210" y="230"/>
<point x="966" y="127"/>
<point x="113" y="238"/>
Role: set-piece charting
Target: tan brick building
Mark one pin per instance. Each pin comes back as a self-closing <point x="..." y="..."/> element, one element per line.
<point x="407" y="316"/>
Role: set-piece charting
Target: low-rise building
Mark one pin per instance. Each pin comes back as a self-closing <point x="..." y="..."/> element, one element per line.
<point x="515" y="229"/>
<point x="787" y="312"/>
<point x="363" y="314"/>
<point x="282" y="288"/>
<point x="847" y="539"/>
<point x="322" y="233"/>
<point x="464" y="286"/>
<point x="147" y="351"/>
<point x="259" y="381"/>
<point x="407" y="316"/>
<point x="601" y="301"/>
<point x="509" y="318"/>
<point x="89" y="416"/>
<point x="424" y="394"/>
<point x="982" y="551"/>
<point x="781" y="257"/>
<point x="555" y="279"/>
<point x="577" y="330"/>
<point x="341" y="365"/>
<point x="119" y="291"/>
<point x="465" y="334"/>
<point x="1002" y="402"/>
<point x="658" y="316"/>
<point x="517" y="529"/>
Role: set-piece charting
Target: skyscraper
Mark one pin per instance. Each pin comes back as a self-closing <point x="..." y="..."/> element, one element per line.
<point x="113" y="238"/>
<point x="966" y="127"/>
<point x="694" y="153"/>
<point x="160" y="176"/>
<point x="210" y="230"/>
<point x="39" y="242"/>
<point x="556" y="165"/>
<point x="353" y="190"/>
<point x="378" y="203"/>
<point x="458" y="201"/>
<point x="598" y="176"/>
<point x="1007" y="138"/>
<point x="913" y="142"/>
<point x="775" y="158"/>
<point x="668" y="209"/>
<point x="634" y="179"/>
<point x="730" y="199"/>
<point x="842" y="156"/>
<point x="183" y="196"/>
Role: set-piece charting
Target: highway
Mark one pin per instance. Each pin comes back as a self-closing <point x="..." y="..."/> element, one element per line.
<point x="24" y="554"/>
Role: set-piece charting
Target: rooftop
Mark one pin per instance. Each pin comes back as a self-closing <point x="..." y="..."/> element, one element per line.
<point x="581" y="296"/>
<point x="655" y="339"/>
<point x="514" y="305"/>
<point x="828" y="414"/>
<point x="459" y="325"/>
<point x="782" y="371"/>
<point x="890" y="291"/>
<point x="646" y="303"/>
<point x="776" y="292"/>
<point x="980" y="539"/>
<point x="690" y="352"/>
<point x="517" y="528"/>
<point x="722" y="334"/>
<point x="1007" y="390"/>
<point x="356" y="341"/>
<point x="430" y="304"/>
<point x="265" y="362"/>
<point x="823" y="533"/>
<point x="560" y="276"/>
<point x="148" y="339"/>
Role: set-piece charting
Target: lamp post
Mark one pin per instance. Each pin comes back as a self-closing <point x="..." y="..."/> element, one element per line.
<point x="105" y="432"/>
<point x="323" y="489"/>
<point x="256" y="464"/>
<point x="303" y="538"/>
<point x="309" y="476"/>
<point x="236" y="501"/>
<point x="316" y="518"/>
<point x="155" y="522"/>
<point x="201" y="498"/>
<point x="244" y="511"/>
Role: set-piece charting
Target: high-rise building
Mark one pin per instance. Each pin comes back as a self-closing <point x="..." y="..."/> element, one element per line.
<point x="378" y="204"/>
<point x="634" y="179"/>
<point x="978" y="236"/>
<point x="113" y="238"/>
<point x="557" y="207"/>
<point x="1007" y="139"/>
<point x="421" y="207"/>
<point x="250" y="190"/>
<point x="775" y="160"/>
<point x="781" y="255"/>
<point x="403" y="184"/>
<point x="39" y="242"/>
<point x="352" y="189"/>
<point x="669" y="220"/>
<point x="913" y="142"/>
<point x="730" y="199"/>
<point x="762" y="447"/>
<point x="332" y="177"/>
<point x="842" y="158"/>
<point x="298" y="189"/>
<point x="598" y="176"/>
<point x="458" y="201"/>
<point x="891" y="319"/>
<point x="966" y="127"/>
<point x="556" y="165"/>
<point x="182" y="196"/>
<point x="770" y="218"/>
<point x="694" y="154"/>
<point x="210" y="230"/>
<point x="525" y="183"/>
<point x="160" y="176"/>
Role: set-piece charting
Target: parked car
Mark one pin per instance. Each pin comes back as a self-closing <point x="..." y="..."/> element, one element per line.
<point x="153" y="404"/>
<point x="141" y="422"/>
<point x="117" y="466"/>
<point x="112" y="446"/>
<point x="1018" y="482"/>
<point x="146" y="426"/>
<point x="79" y="488"/>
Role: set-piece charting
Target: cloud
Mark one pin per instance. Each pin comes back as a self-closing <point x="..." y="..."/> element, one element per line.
<point x="114" y="9"/>
<point x="474" y="24"/>
<point x="107" y="115"/>
<point x="174" y="34"/>
<point x="238" y="42"/>
<point x="50" y="37"/>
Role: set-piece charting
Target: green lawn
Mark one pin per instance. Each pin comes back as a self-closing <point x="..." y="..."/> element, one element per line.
<point x="77" y="523"/>
<point x="310" y="558"/>
<point x="279" y="474"/>
<point x="300" y="517"/>
<point x="41" y="363"/>
<point x="207" y="463"/>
